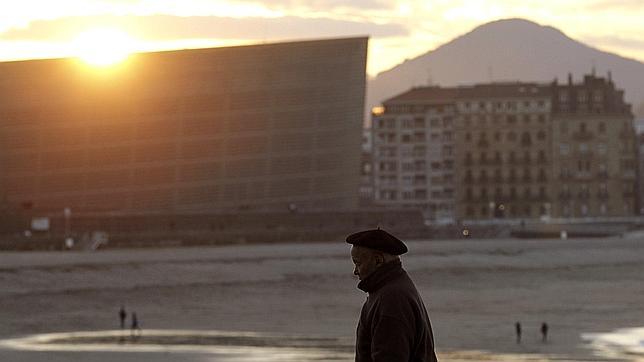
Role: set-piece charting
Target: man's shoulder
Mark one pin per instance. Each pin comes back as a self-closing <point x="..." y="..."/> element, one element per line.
<point x="399" y="288"/>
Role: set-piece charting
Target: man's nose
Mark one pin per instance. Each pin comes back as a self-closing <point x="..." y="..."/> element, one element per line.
<point x="355" y="271"/>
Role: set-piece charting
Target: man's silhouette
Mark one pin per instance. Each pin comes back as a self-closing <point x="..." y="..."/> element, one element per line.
<point x="135" y="325"/>
<point x="544" y="332"/>
<point x="393" y="324"/>
<point x="122" y="316"/>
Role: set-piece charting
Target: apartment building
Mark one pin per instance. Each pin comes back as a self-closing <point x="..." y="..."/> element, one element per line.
<point x="413" y="152"/>
<point x="503" y="160"/>
<point x="513" y="150"/>
<point x="595" y="150"/>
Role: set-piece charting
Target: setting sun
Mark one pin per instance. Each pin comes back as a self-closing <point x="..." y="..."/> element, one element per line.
<point x="103" y="46"/>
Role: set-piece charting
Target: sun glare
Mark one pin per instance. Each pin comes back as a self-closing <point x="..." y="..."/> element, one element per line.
<point x="103" y="46"/>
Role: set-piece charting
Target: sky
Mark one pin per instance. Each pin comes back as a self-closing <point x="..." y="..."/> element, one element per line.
<point x="399" y="29"/>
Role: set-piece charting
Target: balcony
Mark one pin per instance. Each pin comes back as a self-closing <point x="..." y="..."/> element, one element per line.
<point x="602" y="195"/>
<point x="583" y="195"/>
<point x="583" y="136"/>
<point x="564" y="195"/>
<point x="625" y="135"/>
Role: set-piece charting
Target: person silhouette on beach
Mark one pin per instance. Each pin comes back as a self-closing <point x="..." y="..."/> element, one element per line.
<point x="122" y="316"/>
<point x="394" y="324"/>
<point x="517" y="327"/>
<point x="135" y="326"/>
<point x="544" y="332"/>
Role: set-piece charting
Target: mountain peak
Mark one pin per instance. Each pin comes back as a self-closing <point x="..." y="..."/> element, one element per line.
<point x="508" y="50"/>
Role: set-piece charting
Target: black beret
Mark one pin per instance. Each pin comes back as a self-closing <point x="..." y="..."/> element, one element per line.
<point x="378" y="240"/>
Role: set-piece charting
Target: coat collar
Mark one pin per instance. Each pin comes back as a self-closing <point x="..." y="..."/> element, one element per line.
<point x="381" y="276"/>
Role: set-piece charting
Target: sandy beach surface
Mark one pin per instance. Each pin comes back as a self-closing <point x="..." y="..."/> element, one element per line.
<point x="475" y="290"/>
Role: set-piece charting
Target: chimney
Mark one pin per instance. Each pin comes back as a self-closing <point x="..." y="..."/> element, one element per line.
<point x="569" y="78"/>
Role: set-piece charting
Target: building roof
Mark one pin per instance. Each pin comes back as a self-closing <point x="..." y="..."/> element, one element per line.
<point x="436" y="94"/>
<point x="432" y="94"/>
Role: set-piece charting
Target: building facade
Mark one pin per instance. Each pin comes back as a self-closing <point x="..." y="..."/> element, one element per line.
<point x="265" y="127"/>
<point x="413" y="152"/>
<point x="595" y="150"/>
<point x="508" y="151"/>
<point x="503" y="151"/>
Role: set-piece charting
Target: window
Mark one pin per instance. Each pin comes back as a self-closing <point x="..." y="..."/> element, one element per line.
<point x="601" y="148"/>
<point x="602" y="127"/>
<point x="512" y="136"/>
<point x="512" y="157"/>
<point x="526" y="140"/>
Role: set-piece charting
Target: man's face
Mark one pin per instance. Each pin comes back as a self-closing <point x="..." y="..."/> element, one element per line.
<point x="365" y="261"/>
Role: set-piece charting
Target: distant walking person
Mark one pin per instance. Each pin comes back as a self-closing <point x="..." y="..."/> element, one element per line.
<point x="544" y="332"/>
<point x="135" y="328"/>
<point x="393" y="325"/>
<point x="122" y="316"/>
<point x="517" y="327"/>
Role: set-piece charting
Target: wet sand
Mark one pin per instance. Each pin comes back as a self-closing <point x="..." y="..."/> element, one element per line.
<point x="475" y="291"/>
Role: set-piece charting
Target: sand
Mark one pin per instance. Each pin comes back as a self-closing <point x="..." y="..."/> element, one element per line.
<point x="475" y="290"/>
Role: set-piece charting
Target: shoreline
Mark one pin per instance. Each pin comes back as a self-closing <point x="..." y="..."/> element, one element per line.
<point x="474" y="290"/>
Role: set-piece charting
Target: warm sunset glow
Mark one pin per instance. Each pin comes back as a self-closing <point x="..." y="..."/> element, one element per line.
<point x="103" y="46"/>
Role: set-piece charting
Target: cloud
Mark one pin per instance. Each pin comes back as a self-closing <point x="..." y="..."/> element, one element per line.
<point x="325" y="5"/>
<point x="616" y="41"/>
<point x="617" y="5"/>
<point x="168" y="27"/>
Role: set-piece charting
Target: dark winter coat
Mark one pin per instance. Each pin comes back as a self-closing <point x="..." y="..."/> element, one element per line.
<point x="394" y="325"/>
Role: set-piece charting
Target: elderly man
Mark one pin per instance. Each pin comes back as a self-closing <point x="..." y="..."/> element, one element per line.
<point x="394" y="325"/>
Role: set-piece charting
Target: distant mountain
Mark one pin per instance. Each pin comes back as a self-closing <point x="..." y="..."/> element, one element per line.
<point x="509" y="50"/>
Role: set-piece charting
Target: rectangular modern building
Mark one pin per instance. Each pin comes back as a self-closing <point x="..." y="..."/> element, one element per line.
<point x="259" y="128"/>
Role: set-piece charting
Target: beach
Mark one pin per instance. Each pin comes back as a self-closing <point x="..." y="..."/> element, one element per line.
<point x="475" y="291"/>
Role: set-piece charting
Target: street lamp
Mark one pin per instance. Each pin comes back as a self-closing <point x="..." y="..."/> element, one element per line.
<point x="492" y="206"/>
<point x="69" y="241"/>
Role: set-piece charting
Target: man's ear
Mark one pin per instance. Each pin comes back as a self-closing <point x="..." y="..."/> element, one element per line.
<point x="380" y="259"/>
